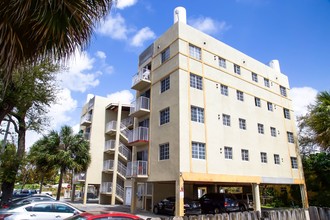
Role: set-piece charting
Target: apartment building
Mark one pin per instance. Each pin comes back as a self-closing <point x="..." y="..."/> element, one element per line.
<point x="206" y="116"/>
<point x="214" y="117"/>
<point x="106" y="126"/>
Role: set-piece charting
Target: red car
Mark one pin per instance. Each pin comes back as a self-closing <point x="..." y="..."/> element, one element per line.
<point x="100" y="215"/>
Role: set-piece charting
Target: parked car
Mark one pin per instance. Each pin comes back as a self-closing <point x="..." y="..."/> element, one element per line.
<point x="50" y="210"/>
<point x="93" y="215"/>
<point x="27" y="199"/>
<point x="167" y="206"/>
<point x="218" y="202"/>
<point x="24" y="193"/>
<point x="245" y="201"/>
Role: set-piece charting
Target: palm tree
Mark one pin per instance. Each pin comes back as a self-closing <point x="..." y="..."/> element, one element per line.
<point x="318" y="119"/>
<point x="32" y="29"/>
<point x="65" y="151"/>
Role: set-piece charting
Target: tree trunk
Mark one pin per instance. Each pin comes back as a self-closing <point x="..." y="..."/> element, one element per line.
<point x="60" y="185"/>
<point x="41" y="182"/>
<point x="5" y="109"/>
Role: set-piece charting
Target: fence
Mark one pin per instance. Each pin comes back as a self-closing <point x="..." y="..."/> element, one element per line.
<point x="315" y="213"/>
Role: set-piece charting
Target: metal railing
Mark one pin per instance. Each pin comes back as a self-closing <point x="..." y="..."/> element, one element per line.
<point x="106" y="187"/>
<point x="112" y="125"/>
<point x="140" y="103"/>
<point x="86" y="118"/>
<point x="123" y="150"/>
<point x="144" y="74"/>
<point x="79" y="177"/>
<point x="109" y="164"/>
<point x="137" y="168"/>
<point x="138" y="134"/>
<point x="127" y="121"/>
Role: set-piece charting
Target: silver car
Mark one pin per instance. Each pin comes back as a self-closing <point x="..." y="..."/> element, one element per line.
<point x="47" y="210"/>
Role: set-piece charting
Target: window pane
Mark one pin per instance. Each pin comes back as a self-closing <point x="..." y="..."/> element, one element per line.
<point x="164" y="151"/>
<point x="165" y="54"/>
<point x="197" y="114"/>
<point x="222" y="62"/>
<point x="228" y="153"/>
<point x="224" y="90"/>
<point x="198" y="150"/>
<point x="196" y="81"/>
<point x="195" y="52"/>
<point x="165" y="84"/>
<point x="226" y="119"/>
<point x="237" y="69"/>
<point x="165" y="116"/>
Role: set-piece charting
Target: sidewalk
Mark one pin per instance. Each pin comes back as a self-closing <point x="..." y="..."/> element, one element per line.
<point x="92" y="204"/>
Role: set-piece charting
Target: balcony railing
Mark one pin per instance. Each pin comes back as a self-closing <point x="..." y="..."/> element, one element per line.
<point x="141" y="79"/>
<point x="123" y="150"/>
<point x="79" y="177"/>
<point x="106" y="187"/>
<point x="140" y="107"/>
<point x="109" y="164"/>
<point x="112" y="126"/>
<point x="137" y="169"/>
<point x="86" y="119"/>
<point x="127" y="121"/>
<point x="139" y="135"/>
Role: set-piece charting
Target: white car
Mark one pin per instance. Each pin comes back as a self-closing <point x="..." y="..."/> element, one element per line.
<point x="40" y="211"/>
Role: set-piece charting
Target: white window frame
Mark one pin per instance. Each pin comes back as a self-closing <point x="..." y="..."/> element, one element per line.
<point x="277" y="159"/>
<point x="273" y="132"/>
<point x="164" y="116"/>
<point x="222" y="62"/>
<point x="263" y="157"/>
<point x="245" y="154"/>
<point x="165" y="55"/>
<point x="240" y="95"/>
<point x="290" y="137"/>
<point x="242" y="123"/>
<point x="283" y="91"/>
<point x="165" y="84"/>
<point x="226" y="120"/>
<point x="257" y="102"/>
<point x="197" y="114"/>
<point x="261" y="129"/>
<point x="294" y="162"/>
<point x="164" y="151"/>
<point x="198" y="150"/>
<point x="195" y="52"/>
<point x="254" y="77"/>
<point x="270" y="106"/>
<point x="237" y="69"/>
<point x="224" y="90"/>
<point x="266" y="82"/>
<point x="228" y="153"/>
<point x="196" y="81"/>
<point x="286" y="113"/>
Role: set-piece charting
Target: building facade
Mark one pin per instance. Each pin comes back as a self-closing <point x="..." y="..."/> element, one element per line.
<point x="206" y="116"/>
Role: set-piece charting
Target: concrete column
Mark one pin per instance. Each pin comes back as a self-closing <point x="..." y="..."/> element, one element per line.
<point x="115" y="162"/>
<point x="133" y="197"/>
<point x="303" y="193"/>
<point x="256" y="197"/>
<point x="85" y="190"/>
<point x="179" y="188"/>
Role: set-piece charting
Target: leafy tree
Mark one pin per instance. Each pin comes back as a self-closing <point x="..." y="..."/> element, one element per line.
<point x="35" y="90"/>
<point x="32" y="30"/>
<point x="317" y="177"/>
<point x="67" y="151"/>
<point x="316" y="123"/>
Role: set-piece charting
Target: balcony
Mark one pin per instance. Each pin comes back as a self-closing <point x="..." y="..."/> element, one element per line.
<point x="138" y="169"/>
<point x="108" y="166"/>
<point x="86" y="119"/>
<point x="140" y="107"/>
<point x="138" y="136"/>
<point x="124" y="151"/>
<point x="128" y="122"/>
<point x="141" y="80"/>
<point x="79" y="177"/>
<point x="111" y="127"/>
<point x="106" y="188"/>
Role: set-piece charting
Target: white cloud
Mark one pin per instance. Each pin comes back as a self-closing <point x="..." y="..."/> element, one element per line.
<point x="208" y="25"/>
<point x="121" y="4"/>
<point x="101" y="54"/>
<point x="114" y="27"/>
<point x="124" y="96"/>
<point x="301" y="98"/>
<point x="74" y="77"/>
<point x="141" y="36"/>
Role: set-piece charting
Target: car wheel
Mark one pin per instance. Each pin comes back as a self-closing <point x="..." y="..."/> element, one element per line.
<point x="156" y="210"/>
<point x="242" y="208"/>
<point x="216" y="210"/>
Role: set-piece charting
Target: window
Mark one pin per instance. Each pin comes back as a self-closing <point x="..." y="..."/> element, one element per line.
<point x="261" y="128"/>
<point x="228" y="152"/>
<point x="286" y="113"/>
<point x="195" y="52"/>
<point x="226" y="119"/>
<point x="266" y="82"/>
<point x="240" y="95"/>
<point x="283" y="91"/>
<point x="196" y="81"/>
<point x="198" y="150"/>
<point x="165" y="84"/>
<point x="273" y="131"/>
<point x="270" y="106"/>
<point x="237" y="69"/>
<point x="165" y="54"/>
<point x="164" y="151"/>
<point x="294" y="163"/>
<point x="290" y="137"/>
<point x="224" y="90"/>
<point x="254" y="77"/>
<point x="197" y="114"/>
<point x="242" y="123"/>
<point x="276" y="159"/>
<point x="245" y="154"/>
<point x="257" y="102"/>
<point x="263" y="157"/>
<point x="222" y="62"/>
<point x="164" y="116"/>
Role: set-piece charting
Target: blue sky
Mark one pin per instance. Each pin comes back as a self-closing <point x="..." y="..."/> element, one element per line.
<point x="296" y="32"/>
